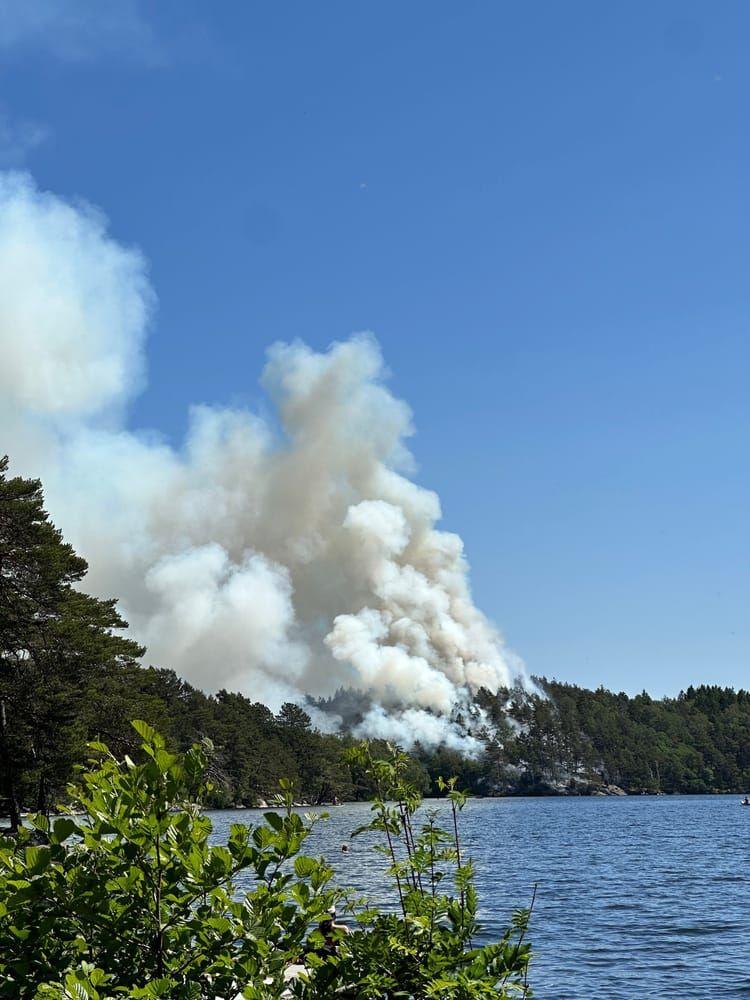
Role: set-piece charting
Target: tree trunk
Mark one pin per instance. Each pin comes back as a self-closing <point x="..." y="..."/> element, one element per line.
<point x="42" y="797"/>
<point x="7" y="773"/>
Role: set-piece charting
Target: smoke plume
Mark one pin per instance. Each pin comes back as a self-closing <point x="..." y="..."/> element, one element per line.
<point x="276" y="558"/>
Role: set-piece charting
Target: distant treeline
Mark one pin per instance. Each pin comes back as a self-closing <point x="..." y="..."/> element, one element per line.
<point x="68" y="677"/>
<point x="577" y="739"/>
<point x="573" y="741"/>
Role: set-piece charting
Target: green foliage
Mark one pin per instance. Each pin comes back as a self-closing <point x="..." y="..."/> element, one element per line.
<point x="125" y="896"/>
<point x="425" y="948"/>
<point x="129" y="897"/>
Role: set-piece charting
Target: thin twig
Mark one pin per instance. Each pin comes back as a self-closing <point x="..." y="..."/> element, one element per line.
<point x="520" y="940"/>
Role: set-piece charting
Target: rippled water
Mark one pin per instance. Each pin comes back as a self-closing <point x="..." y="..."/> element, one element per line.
<point x="638" y="897"/>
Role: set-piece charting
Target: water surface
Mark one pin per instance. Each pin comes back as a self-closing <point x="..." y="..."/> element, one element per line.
<point x="638" y="897"/>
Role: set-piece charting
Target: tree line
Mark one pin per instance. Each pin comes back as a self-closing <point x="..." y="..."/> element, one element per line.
<point x="569" y="737"/>
<point x="68" y="675"/>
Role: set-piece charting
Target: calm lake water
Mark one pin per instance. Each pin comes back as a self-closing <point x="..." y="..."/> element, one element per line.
<point x="638" y="897"/>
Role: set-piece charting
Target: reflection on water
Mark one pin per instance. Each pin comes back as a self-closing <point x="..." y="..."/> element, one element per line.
<point x="638" y="897"/>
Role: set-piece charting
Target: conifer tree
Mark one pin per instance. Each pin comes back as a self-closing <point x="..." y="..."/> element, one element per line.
<point x="53" y="640"/>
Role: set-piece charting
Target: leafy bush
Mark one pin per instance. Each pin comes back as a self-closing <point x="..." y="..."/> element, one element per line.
<point x="124" y="895"/>
<point x="425" y="948"/>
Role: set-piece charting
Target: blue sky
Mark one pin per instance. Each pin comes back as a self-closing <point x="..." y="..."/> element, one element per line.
<point x="541" y="210"/>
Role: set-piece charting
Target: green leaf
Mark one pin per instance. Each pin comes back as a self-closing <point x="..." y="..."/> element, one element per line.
<point x="147" y="733"/>
<point x="62" y="828"/>
<point x="39" y="822"/>
<point x="304" y="866"/>
<point x="37" y="859"/>
<point x="274" y="820"/>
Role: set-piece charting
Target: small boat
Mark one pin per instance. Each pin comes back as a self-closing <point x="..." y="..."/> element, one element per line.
<point x="745" y="801"/>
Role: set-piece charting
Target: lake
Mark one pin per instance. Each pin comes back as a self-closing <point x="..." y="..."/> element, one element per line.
<point x="638" y="896"/>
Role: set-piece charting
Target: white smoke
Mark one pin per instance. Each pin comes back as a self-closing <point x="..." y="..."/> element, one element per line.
<point x="413" y="724"/>
<point x="272" y="562"/>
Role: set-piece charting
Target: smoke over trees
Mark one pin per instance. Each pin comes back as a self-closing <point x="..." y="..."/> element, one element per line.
<point x="67" y="677"/>
<point x="276" y="557"/>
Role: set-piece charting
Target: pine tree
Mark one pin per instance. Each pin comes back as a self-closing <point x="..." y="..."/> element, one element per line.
<point x="53" y="640"/>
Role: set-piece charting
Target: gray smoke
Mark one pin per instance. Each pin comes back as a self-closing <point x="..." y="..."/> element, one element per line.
<point x="273" y="560"/>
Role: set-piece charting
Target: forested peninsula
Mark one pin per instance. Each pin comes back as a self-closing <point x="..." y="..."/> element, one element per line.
<point x="68" y="676"/>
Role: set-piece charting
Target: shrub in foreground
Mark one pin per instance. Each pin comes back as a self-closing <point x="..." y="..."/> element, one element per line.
<point x="124" y="896"/>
